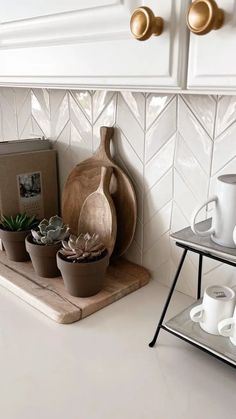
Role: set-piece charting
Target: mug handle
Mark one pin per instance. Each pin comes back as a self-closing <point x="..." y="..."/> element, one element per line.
<point x="223" y="327"/>
<point x="196" y="314"/>
<point x="195" y="214"/>
<point x="234" y="235"/>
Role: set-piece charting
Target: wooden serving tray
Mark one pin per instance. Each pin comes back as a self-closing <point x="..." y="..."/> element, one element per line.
<point x="49" y="295"/>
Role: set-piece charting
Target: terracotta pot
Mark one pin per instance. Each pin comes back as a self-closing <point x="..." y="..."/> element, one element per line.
<point x="83" y="279"/>
<point x="14" y="244"/>
<point x="43" y="257"/>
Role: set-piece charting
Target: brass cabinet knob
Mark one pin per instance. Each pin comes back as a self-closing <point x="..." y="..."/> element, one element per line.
<point x="144" y="23"/>
<point x="203" y="16"/>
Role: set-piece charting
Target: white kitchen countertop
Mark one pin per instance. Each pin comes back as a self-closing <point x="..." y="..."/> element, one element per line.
<point x="102" y="367"/>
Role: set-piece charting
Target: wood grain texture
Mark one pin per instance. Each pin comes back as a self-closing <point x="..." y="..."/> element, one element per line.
<point x="84" y="180"/>
<point x="98" y="214"/>
<point x="49" y="296"/>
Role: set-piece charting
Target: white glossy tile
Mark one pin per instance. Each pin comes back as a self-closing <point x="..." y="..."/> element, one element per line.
<point x="56" y="97"/>
<point x="204" y="107"/>
<point x="84" y="99"/>
<point x="106" y="118"/>
<point x="36" y="130"/>
<point x="163" y="273"/>
<point x="81" y="124"/>
<point x="156" y="103"/>
<point x="158" y="225"/>
<point x="158" y="195"/>
<point x="158" y="254"/>
<point x="59" y="106"/>
<point x="224" y="149"/>
<point x="23" y="109"/>
<point x="161" y="131"/>
<point x="137" y="189"/>
<point x="80" y="146"/>
<point x="71" y="149"/>
<point x="41" y="110"/>
<point x="178" y="219"/>
<point x="27" y="130"/>
<point x="195" y="137"/>
<point x="184" y="197"/>
<point x="63" y="156"/>
<point x="126" y="121"/>
<point x="100" y="100"/>
<point x="159" y="164"/>
<point x="136" y="104"/>
<point x="191" y="171"/>
<point x="226" y="113"/>
<point x="126" y="153"/>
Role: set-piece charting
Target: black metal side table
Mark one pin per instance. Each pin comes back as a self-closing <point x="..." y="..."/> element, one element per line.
<point x="181" y="326"/>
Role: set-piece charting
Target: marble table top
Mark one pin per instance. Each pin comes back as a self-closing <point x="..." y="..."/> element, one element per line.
<point x="187" y="237"/>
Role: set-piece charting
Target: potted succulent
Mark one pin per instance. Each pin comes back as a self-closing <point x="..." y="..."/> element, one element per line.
<point x="13" y="231"/>
<point x="42" y="245"/>
<point x="83" y="262"/>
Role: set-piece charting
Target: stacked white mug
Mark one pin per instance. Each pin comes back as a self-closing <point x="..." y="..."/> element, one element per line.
<point x="217" y="305"/>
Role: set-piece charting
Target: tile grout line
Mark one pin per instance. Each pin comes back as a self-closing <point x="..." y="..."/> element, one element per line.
<point x="212" y="152"/>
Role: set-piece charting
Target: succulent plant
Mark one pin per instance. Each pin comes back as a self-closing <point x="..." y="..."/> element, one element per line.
<point x="50" y="231"/>
<point x="83" y="248"/>
<point x="19" y="222"/>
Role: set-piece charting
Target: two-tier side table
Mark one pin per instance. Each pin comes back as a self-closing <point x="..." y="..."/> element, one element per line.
<point x="181" y="325"/>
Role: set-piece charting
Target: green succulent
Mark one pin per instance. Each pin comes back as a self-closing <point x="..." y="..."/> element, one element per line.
<point x="19" y="222"/>
<point x="50" y="231"/>
<point x="84" y="248"/>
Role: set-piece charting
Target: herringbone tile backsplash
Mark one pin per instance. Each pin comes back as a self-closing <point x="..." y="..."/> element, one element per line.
<point x="172" y="147"/>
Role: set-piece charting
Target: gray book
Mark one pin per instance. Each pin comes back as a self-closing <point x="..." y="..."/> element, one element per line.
<point x="21" y="146"/>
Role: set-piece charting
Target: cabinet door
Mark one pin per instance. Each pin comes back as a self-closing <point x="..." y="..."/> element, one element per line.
<point x="88" y="43"/>
<point x="212" y="59"/>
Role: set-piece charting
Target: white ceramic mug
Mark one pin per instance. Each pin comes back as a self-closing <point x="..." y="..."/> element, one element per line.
<point x="218" y="303"/>
<point x="227" y="327"/>
<point x="224" y="216"/>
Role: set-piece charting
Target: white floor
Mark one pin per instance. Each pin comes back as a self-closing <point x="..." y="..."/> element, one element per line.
<point x="102" y="367"/>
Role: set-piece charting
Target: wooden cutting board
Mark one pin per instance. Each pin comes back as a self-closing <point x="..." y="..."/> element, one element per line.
<point x="84" y="180"/>
<point x="98" y="214"/>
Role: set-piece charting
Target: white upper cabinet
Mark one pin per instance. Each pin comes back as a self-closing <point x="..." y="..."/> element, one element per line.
<point x="88" y="43"/>
<point x="212" y="57"/>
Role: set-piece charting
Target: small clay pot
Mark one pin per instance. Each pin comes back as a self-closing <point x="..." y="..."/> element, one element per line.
<point x="83" y="279"/>
<point x="43" y="257"/>
<point x="14" y="244"/>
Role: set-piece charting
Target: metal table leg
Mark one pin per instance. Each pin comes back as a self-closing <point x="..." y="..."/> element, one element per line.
<point x="199" y="284"/>
<point x="152" y="343"/>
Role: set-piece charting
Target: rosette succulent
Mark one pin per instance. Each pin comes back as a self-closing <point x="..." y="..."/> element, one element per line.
<point x="84" y="248"/>
<point x="50" y="231"/>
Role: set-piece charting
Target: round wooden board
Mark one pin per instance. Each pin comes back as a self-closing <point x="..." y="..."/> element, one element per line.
<point x="84" y="180"/>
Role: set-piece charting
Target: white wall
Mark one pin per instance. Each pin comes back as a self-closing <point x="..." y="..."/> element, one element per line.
<point x="173" y="148"/>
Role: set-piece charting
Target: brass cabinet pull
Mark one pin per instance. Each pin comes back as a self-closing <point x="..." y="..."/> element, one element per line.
<point x="203" y="16"/>
<point x="144" y="24"/>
